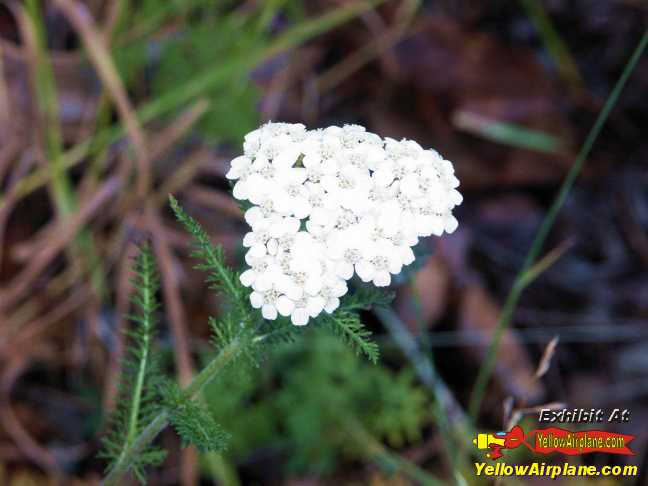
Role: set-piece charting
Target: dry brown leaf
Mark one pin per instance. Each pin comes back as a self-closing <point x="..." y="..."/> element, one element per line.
<point x="547" y="355"/>
<point x="513" y="370"/>
<point x="424" y="302"/>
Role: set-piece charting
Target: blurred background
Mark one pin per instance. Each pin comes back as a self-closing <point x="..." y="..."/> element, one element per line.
<point x="107" y="106"/>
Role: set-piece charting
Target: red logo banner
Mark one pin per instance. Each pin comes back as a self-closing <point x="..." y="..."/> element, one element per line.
<point x="555" y="439"/>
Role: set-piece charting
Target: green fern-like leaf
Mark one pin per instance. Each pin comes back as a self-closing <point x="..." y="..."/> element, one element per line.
<point x="138" y="400"/>
<point x="349" y="326"/>
<point x="193" y="423"/>
<point x="228" y="329"/>
<point x="220" y="276"/>
<point x="333" y="387"/>
<point x="366" y="298"/>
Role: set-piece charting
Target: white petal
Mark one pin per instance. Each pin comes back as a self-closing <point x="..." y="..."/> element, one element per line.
<point x="455" y="197"/>
<point x="382" y="279"/>
<point x="313" y="285"/>
<point x="286" y="158"/>
<point x="272" y="246"/>
<point x="339" y="289"/>
<point x="256" y="299"/>
<point x="436" y="226"/>
<point x="383" y="176"/>
<point x="249" y="239"/>
<point x="292" y="225"/>
<point x="409" y="185"/>
<point x="258" y="250"/>
<point x="406" y="255"/>
<point x="332" y="304"/>
<point x="344" y="269"/>
<point x="301" y="208"/>
<point x="269" y="312"/>
<point x="282" y="203"/>
<point x="233" y="173"/>
<point x="293" y="291"/>
<point x="240" y="162"/>
<point x="285" y="306"/>
<point x="253" y="215"/>
<point x="250" y="259"/>
<point x="299" y="317"/>
<point x="240" y="190"/>
<point x="451" y="224"/>
<point x="365" y="270"/>
<point x="263" y="283"/>
<point x="395" y="265"/>
<point x="315" y="306"/>
<point x="247" y="277"/>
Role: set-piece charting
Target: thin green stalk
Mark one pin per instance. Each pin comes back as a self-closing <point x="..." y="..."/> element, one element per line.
<point x="148" y="288"/>
<point x="553" y="42"/>
<point x="447" y="413"/>
<point x="486" y="369"/>
<point x="268" y="12"/>
<point x="508" y="133"/>
<point x="221" y="470"/>
<point x="150" y="432"/>
<point x="147" y="285"/>
<point x="161" y="421"/>
<point x="61" y="188"/>
<point x="384" y="456"/>
<point x="45" y="84"/>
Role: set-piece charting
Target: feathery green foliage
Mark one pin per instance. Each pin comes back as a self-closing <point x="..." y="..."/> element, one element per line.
<point x="311" y="389"/>
<point x="345" y="321"/>
<point x="366" y="297"/>
<point x="220" y="277"/>
<point x="350" y="328"/>
<point x="239" y="335"/>
<point x="138" y="401"/>
<point x="233" y="110"/>
<point x="193" y="423"/>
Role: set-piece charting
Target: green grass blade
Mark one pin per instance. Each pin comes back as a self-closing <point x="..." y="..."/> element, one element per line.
<point x="508" y="133"/>
<point x="486" y="370"/>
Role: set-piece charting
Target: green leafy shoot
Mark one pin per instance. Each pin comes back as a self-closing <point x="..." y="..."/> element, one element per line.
<point x="345" y="321"/>
<point x="220" y="277"/>
<point x="193" y="423"/>
<point x="138" y="401"/>
<point x="349" y="327"/>
<point x="366" y="298"/>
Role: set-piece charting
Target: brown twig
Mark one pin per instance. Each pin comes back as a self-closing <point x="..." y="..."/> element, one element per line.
<point x="216" y="200"/>
<point x="25" y="442"/>
<point x="68" y="230"/>
<point x="99" y="54"/>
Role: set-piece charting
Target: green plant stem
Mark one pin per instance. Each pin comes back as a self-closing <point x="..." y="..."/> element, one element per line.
<point x="147" y="303"/>
<point x="60" y="186"/>
<point x="45" y="87"/>
<point x="521" y="280"/>
<point x="386" y="457"/>
<point x="449" y="417"/>
<point x="221" y="470"/>
<point x="148" y="434"/>
<point x="160" y="422"/>
<point x="557" y="48"/>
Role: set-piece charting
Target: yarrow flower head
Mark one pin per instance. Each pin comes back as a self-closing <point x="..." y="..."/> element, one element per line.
<point x="331" y="203"/>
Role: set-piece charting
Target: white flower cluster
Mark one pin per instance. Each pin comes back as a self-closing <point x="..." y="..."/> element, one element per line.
<point x="332" y="202"/>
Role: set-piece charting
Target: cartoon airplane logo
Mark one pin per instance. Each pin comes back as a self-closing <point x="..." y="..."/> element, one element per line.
<point x="500" y="440"/>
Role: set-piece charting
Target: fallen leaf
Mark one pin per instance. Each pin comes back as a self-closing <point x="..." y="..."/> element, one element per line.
<point x="514" y="371"/>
